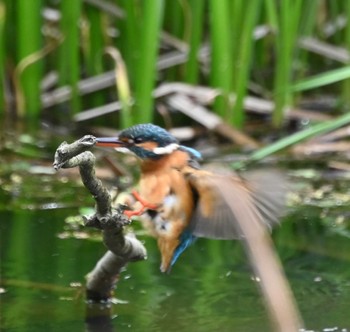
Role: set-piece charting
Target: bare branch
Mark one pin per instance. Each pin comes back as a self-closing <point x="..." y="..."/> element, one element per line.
<point x="122" y="248"/>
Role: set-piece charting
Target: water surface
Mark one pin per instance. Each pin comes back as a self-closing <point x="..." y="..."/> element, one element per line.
<point x="44" y="260"/>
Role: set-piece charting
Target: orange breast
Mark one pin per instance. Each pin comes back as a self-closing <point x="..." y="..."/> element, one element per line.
<point x="162" y="178"/>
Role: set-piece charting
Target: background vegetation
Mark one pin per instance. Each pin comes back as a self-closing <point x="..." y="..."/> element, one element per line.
<point x="64" y="58"/>
<point x="257" y="69"/>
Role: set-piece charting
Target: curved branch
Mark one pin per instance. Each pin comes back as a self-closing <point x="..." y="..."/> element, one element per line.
<point x="122" y="248"/>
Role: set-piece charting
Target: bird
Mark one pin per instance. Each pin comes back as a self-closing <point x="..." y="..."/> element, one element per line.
<point x="179" y="201"/>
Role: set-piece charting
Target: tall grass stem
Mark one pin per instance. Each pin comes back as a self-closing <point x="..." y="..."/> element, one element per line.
<point x="221" y="54"/>
<point x="69" y="57"/>
<point x="318" y="129"/>
<point x="289" y="14"/>
<point x="2" y="56"/>
<point x="195" y="23"/>
<point x="123" y="88"/>
<point x="146" y="64"/>
<point x="29" y="40"/>
<point x="243" y="61"/>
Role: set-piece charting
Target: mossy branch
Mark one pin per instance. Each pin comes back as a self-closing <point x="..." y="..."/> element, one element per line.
<point x="123" y="248"/>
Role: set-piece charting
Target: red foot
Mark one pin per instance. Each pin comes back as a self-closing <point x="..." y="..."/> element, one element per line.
<point x="145" y="205"/>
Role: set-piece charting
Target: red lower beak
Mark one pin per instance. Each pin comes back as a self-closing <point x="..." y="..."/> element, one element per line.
<point x="112" y="142"/>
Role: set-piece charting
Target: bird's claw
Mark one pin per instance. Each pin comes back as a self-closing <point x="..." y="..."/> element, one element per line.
<point x="128" y="213"/>
<point x="122" y="207"/>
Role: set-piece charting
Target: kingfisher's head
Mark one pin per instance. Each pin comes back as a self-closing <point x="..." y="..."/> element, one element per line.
<point x="146" y="141"/>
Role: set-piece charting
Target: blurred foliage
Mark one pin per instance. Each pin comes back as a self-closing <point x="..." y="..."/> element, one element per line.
<point x="264" y="48"/>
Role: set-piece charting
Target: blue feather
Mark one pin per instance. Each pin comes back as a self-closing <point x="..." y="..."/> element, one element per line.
<point x="193" y="152"/>
<point x="186" y="239"/>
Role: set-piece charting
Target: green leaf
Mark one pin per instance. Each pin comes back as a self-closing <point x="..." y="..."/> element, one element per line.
<point x="288" y="141"/>
<point x="316" y="81"/>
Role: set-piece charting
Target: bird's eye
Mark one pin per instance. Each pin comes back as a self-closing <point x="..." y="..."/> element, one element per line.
<point x="138" y="140"/>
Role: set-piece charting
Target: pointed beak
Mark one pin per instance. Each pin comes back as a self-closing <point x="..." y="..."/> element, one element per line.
<point x="112" y="142"/>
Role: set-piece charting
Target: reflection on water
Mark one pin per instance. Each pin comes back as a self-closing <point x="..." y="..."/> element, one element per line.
<point x="203" y="292"/>
<point x="210" y="289"/>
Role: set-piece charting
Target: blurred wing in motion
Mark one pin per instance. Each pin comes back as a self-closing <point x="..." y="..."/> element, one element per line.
<point x="226" y="200"/>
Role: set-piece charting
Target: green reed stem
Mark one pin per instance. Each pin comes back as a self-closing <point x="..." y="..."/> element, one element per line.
<point x="346" y="83"/>
<point x="271" y="13"/>
<point x="289" y="14"/>
<point x="130" y="29"/>
<point x="174" y="13"/>
<point x="195" y="23"/>
<point x="236" y="22"/>
<point x="334" y="9"/>
<point x="29" y="40"/>
<point x="331" y="76"/>
<point x="318" y="129"/>
<point x="146" y="65"/>
<point x="221" y="57"/>
<point x="243" y="61"/>
<point x="69" y="60"/>
<point x="123" y="88"/>
<point x="2" y="56"/>
<point x="93" y="42"/>
<point x="306" y="28"/>
<point x="308" y="17"/>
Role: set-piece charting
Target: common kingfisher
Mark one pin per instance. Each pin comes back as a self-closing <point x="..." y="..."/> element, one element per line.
<point x="178" y="202"/>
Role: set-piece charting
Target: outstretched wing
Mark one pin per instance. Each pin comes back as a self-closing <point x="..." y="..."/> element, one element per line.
<point x="260" y="197"/>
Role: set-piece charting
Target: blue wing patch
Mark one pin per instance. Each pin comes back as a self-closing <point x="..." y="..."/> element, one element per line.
<point x="187" y="238"/>
<point x="193" y="152"/>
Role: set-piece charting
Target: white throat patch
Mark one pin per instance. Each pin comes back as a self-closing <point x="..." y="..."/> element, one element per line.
<point x="166" y="149"/>
<point x="159" y="151"/>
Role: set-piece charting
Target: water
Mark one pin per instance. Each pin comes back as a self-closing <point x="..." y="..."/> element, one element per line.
<point x="210" y="289"/>
<point x="39" y="273"/>
<point x="44" y="260"/>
